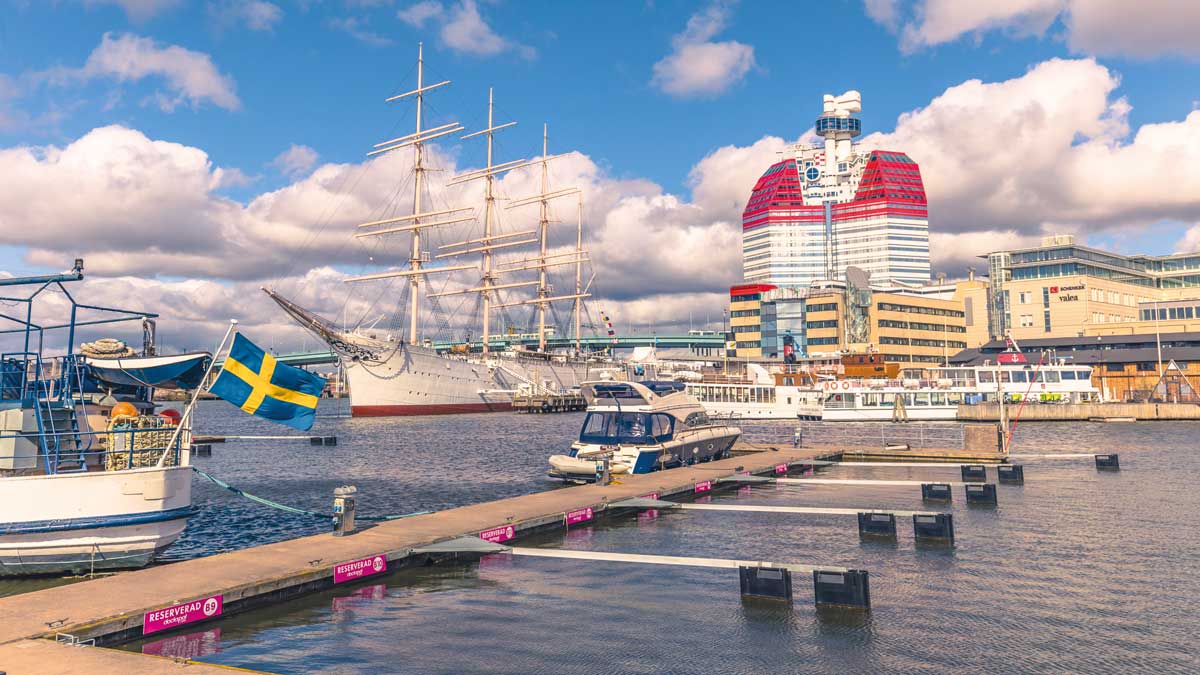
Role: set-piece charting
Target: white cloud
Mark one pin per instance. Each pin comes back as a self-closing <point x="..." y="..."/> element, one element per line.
<point x="138" y="10"/>
<point x="357" y="29"/>
<point x="420" y="13"/>
<point x="189" y="76"/>
<point x="466" y="31"/>
<point x="295" y="161"/>
<point x="256" y="15"/>
<point x="1142" y="29"/>
<point x="698" y="66"/>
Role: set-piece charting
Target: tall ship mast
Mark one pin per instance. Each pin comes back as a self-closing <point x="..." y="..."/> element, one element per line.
<point x="398" y="372"/>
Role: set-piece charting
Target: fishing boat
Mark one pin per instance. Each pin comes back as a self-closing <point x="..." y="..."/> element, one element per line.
<point x="762" y="395"/>
<point x="88" y="480"/>
<point x="936" y="393"/>
<point x="640" y="427"/>
<point x="398" y="371"/>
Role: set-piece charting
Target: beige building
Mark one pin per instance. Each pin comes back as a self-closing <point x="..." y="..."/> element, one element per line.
<point x="1060" y="289"/>
<point x="909" y="325"/>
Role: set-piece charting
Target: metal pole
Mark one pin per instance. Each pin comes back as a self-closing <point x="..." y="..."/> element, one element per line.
<point x="418" y="173"/>
<point x="187" y="412"/>
<point x="488" y="207"/>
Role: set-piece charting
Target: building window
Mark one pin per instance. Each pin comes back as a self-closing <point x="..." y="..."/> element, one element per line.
<point x="1046" y="297"/>
<point x="1025" y="297"/>
<point x="1046" y="319"/>
<point x="1147" y="366"/>
<point x="1026" y="321"/>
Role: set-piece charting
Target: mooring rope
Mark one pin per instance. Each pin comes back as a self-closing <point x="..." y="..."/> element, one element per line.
<point x="291" y="509"/>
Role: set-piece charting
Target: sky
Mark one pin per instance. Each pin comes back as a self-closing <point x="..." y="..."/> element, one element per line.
<point x="193" y="152"/>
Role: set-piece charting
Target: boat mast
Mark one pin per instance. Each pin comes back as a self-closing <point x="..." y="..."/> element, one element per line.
<point x="543" y="223"/>
<point x="488" y="209"/>
<point x="578" y="271"/>
<point x="414" y="262"/>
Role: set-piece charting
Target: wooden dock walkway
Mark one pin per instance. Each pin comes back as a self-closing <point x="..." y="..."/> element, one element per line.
<point x="111" y="610"/>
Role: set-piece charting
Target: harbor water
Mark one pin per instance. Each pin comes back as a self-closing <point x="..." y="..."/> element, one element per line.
<point x="1076" y="571"/>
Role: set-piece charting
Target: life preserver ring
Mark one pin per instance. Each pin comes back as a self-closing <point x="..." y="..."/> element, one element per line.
<point x="845" y="384"/>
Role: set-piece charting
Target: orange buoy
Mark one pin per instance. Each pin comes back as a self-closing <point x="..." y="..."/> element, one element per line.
<point x="123" y="409"/>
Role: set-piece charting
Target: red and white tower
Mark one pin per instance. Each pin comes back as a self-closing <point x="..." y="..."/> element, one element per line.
<point x="823" y="209"/>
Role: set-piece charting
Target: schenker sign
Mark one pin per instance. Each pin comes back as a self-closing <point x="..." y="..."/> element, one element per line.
<point x="1064" y="294"/>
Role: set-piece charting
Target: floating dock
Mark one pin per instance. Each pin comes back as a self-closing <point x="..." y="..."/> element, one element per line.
<point x="114" y="609"/>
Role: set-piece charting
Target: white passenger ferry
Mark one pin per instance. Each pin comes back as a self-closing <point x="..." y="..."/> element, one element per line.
<point x="936" y="393"/>
<point x="768" y="396"/>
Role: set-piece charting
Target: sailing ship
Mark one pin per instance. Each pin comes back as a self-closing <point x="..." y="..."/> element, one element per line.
<point x="393" y="372"/>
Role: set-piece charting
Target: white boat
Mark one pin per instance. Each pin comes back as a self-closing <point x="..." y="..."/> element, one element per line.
<point x="936" y="393"/>
<point x="640" y="427"/>
<point x="78" y="498"/>
<point x="767" y="396"/>
<point x="399" y="372"/>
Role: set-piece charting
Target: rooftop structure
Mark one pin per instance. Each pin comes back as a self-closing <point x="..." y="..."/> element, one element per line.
<point x="820" y="210"/>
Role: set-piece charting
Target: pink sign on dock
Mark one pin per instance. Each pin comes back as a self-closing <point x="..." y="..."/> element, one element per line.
<point x="704" y="486"/>
<point x="579" y="516"/>
<point x="781" y="468"/>
<point x="497" y="535"/>
<point x="181" y="615"/>
<point x="357" y="569"/>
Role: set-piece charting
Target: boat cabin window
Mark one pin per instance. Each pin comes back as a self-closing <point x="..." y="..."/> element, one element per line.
<point x="1068" y="374"/>
<point x="1018" y="376"/>
<point x="697" y="419"/>
<point x="626" y="427"/>
<point x="987" y="376"/>
<point x="1051" y="376"/>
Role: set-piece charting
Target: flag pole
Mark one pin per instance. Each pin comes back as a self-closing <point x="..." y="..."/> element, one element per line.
<point x="187" y="412"/>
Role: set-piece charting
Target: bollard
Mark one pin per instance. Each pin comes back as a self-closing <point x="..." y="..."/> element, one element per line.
<point x="1010" y="473"/>
<point x="877" y="525"/>
<point x="851" y="589"/>
<point x="974" y="473"/>
<point x="980" y="493"/>
<point x="938" y="527"/>
<point x="604" y="471"/>
<point x="202" y="450"/>
<point x="935" y="492"/>
<point x="343" y="510"/>
<point x="1108" y="462"/>
<point x="765" y="582"/>
<point x="798" y="438"/>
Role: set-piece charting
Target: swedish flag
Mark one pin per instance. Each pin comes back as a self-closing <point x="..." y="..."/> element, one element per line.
<point x="254" y="381"/>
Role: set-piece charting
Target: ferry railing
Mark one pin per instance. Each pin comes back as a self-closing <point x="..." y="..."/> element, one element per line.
<point x="131" y="454"/>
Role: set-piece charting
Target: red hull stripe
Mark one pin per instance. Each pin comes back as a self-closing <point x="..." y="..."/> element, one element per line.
<point x="440" y="409"/>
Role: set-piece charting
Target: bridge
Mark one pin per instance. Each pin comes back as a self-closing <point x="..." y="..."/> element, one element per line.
<point x="703" y="345"/>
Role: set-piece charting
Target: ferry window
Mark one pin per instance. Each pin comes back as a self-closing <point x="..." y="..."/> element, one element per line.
<point x="1050" y="376"/>
<point x="954" y="397"/>
<point x="1004" y="376"/>
<point x="987" y="376"/>
<point x="922" y="398"/>
<point x="937" y="398"/>
<point x="1018" y="376"/>
<point x="1068" y="374"/>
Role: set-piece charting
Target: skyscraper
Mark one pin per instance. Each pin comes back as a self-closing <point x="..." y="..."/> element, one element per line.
<point x="820" y="210"/>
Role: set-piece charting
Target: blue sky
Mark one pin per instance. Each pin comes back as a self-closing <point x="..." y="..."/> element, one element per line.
<point x="174" y="142"/>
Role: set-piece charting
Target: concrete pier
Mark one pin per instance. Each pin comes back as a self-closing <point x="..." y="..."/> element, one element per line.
<point x="1082" y="412"/>
<point x="111" y="610"/>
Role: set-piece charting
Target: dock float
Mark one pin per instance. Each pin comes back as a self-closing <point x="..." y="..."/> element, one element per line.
<point x="115" y="609"/>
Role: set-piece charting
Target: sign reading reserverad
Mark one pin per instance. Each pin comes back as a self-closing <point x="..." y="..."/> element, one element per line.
<point x="704" y="486"/>
<point x="357" y="569"/>
<point x="781" y="468"/>
<point x="181" y="615"/>
<point x="497" y="535"/>
<point x="579" y="516"/>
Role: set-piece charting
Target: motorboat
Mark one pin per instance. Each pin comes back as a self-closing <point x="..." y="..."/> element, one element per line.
<point x="89" y="481"/>
<point x="640" y="427"/>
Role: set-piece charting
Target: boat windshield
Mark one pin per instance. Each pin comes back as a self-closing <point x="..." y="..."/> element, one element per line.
<point x="626" y="427"/>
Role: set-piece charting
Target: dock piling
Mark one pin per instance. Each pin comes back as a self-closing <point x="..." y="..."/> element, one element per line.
<point x="973" y="473"/>
<point x="1010" y="473"/>
<point x="936" y="528"/>
<point x="935" y="492"/>
<point x="980" y="493"/>
<point x="881" y="525"/>
<point x="850" y="589"/>
<point x="765" y="582"/>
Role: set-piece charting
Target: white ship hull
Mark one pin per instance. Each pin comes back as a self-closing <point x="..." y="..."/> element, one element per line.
<point x="409" y="380"/>
<point x="74" y="523"/>
<point x="931" y="413"/>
